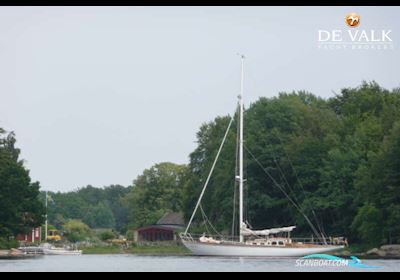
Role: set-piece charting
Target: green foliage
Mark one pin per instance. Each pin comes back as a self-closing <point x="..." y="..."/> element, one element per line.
<point x="103" y="250"/>
<point x="76" y="231"/>
<point x="8" y="244"/>
<point x="21" y="209"/>
<point x="130" y="235"/>
<point x="369" y="224"/>
<point x="335" y="196"/>
<point x="218" y="200"/>
<point x="379" y="183"/>
<point x="148" y="249"/>
<point x="107" y="235"/>
<point x="97" y="207"/>
<point x="157" y="191"/>
<point x="100" y="216"/>
<point x="338" y="159"/>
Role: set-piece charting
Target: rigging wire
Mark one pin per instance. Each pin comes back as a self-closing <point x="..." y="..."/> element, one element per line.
<point x="205" y="222"/>
<point x="291" y="189"/>
<point x="209" y="176"/>
<point x="285" y="193"/>
<point x="283" y="176"/>
<point x="286" y="183"/>
<point x="294" y="201"/>
<point x="208" y="221"/>
<point x="321" y="229"/>
<point x="285" y="179"/>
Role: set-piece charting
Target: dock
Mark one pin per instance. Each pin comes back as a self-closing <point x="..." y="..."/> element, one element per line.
<point x="16" y="254"/>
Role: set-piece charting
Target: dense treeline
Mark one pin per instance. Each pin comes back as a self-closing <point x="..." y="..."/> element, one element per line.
<point x="156" y="192"/>
<point x="338" y="159"/>
<point x="96" y="207"/>
<point x="20" y="208"/>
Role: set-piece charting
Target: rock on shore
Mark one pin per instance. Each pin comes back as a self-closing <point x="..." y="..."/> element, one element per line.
<point x="386" y="251"/>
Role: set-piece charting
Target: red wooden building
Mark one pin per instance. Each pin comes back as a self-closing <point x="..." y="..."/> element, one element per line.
<point x="165" y="229"/>
<point x="34" y="236"/>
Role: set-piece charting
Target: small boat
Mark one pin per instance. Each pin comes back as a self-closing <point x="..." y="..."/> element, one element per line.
<point x="61" y="251"/>
<point x="273" y="242"/>
<point x="50" y="250"/>
<point x="32" y="250"/>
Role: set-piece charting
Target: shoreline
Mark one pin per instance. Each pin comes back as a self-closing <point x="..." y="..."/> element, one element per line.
<point x="176" y="250"/>
<point x="182" y="251"/>
<point x="386" y="252"/>
<point x="154" y="253"/>
<point x="191" y="255"/>
<point x="368" y="257"/>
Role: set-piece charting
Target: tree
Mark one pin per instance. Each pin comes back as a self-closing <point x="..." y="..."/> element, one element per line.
<point x="157" y="191"/>
<point x="21" y="208"/>
<point x="217" y="202"/>
<point x="334" y="199"/>
<point x="336" y="159"/>
<point x="98" y="207"/>
<point x="76" y="231"/>
<point x="100" y="216"/>
<point x="289" y="136"/>
<point x="107" y="235"/>
<point x="378" y="183"/>
<point x="369" y="224"/>
<point x="114" y="195"/>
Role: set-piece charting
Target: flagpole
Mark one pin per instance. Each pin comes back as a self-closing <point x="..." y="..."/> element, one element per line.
<point x="46" y="224"/>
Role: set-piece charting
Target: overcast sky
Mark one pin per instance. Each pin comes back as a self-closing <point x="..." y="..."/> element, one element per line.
<point x="98" y="94"/>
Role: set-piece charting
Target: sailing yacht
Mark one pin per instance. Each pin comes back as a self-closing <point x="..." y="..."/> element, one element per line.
<point x="275" y="242"/>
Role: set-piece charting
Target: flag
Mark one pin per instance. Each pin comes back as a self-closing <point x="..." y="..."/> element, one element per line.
<point x="50" y="199"/>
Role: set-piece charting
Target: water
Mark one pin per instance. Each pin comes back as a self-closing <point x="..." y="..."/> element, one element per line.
<point x="131" y="263"/>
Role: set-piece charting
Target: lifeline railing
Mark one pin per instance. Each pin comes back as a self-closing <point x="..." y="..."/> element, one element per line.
<point x="234" y="239"/>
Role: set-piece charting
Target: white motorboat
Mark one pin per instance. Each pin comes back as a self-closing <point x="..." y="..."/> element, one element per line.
<point x="51" y="250"/>
<point x="275" y="242"/>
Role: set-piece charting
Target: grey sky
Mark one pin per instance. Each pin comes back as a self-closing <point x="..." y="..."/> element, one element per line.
<point x="98" y="94"/>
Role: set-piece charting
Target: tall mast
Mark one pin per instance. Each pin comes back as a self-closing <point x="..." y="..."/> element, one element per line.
<point x="241" y="154"/>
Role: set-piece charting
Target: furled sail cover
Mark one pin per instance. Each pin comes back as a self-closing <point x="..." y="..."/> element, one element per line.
<point x="248" y="232"/>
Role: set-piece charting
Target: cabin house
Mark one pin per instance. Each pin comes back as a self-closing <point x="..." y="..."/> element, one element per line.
<point x="165" y="229"/>
<point x="34" y="236"/>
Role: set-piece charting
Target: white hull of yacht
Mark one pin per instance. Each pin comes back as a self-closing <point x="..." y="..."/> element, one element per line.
<point x="237" y="250"/>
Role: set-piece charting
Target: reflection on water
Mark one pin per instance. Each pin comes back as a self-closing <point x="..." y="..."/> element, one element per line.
<point x="116" y="263"/>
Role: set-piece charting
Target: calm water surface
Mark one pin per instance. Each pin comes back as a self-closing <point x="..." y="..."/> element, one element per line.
<point x="116" y="263"/>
